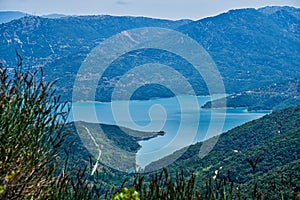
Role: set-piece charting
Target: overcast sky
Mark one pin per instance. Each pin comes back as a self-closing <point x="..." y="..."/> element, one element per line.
<point x="170" y="9"/>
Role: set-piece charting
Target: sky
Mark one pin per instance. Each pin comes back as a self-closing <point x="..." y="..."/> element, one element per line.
<point x="166" y="9"/>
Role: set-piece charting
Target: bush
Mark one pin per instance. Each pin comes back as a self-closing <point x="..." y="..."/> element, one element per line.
<point x="126" y="194"/>
<point x="31" y="120"/>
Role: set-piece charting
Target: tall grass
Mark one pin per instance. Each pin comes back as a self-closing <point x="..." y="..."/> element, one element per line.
<point x="35" y="162"/>
<point x="31" y="120"/>
<point x="163" y="186"/>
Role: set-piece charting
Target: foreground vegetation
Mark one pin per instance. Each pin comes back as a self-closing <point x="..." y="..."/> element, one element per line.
<point x="33" y="161"/>
<point x="37" y="159"/>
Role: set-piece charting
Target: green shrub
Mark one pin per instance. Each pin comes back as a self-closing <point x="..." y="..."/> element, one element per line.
<point x="126" y="194"/>
<point x="30" y="138"/>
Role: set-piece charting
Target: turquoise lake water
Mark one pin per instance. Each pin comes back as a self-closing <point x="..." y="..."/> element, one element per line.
<point x="181" y="117"/>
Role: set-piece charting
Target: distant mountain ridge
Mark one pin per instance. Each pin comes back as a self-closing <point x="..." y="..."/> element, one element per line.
<point x="252" y="48"/>
<point x="7" y="16"/>
<point x="54" y="16"/>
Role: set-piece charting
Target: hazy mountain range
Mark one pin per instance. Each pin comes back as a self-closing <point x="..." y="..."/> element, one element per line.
<point x="252" y="48"/>
<point x="7" y="16"/>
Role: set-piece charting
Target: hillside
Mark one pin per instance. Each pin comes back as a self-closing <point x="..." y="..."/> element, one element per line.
<point x="274" y="97"/>
<point x="251" y="48"/>
<point x="118" y="145"/>
<point x="273" y="139"/>
<point x="60" y="45"/>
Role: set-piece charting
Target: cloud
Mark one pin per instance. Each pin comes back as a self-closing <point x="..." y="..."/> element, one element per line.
<point x="121" y="2"/>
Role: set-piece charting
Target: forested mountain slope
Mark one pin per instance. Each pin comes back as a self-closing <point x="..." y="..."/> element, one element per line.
<point x="251" y="48"/>
<point x="272" y="140"/>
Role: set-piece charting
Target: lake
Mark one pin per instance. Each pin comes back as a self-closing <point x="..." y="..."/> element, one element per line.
<point x="181" y="117"/>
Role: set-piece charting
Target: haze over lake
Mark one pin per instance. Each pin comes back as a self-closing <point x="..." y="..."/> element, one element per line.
<point x="183" y="121"/>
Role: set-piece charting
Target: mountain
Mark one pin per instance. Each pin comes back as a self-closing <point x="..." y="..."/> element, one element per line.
<point x="273" y="140"/>
<point x="252" y="48"/>
<point x="61" y="45"/>
<point x="7" y="16"/>
<point x="274" y="97"/>
<point x="54" y="16"/>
